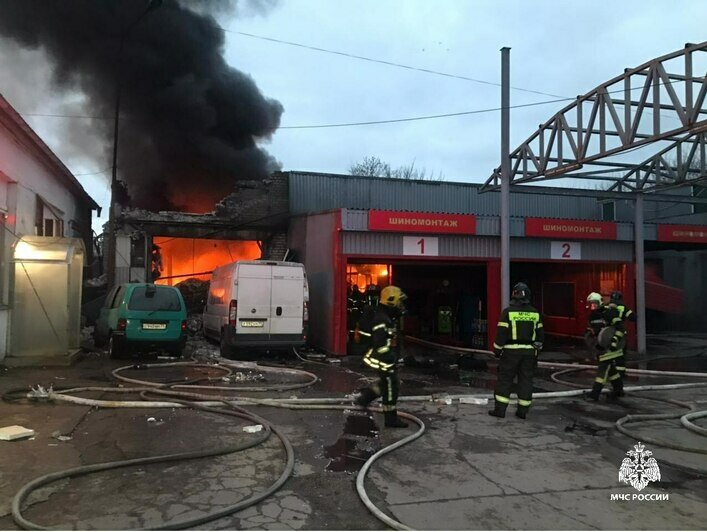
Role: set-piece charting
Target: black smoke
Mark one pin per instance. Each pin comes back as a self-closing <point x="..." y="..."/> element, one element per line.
<point x="189" y="122"/>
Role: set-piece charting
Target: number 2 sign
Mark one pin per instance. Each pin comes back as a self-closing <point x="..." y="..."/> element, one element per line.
<point x="565" y="250"/>
<point x="427" y="246"/>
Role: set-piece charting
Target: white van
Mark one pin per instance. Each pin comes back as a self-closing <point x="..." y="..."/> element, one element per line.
<point x="257" y="304"/>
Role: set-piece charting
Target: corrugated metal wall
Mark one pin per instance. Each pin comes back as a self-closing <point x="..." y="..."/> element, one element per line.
<point x="318" y="258"/>
<point x="311" y="193"/>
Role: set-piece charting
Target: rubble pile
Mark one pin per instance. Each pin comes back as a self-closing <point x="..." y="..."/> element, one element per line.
<point x="195" y="293"/>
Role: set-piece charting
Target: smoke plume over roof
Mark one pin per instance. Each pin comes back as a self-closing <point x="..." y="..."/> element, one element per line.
<point x="189" y="122"/>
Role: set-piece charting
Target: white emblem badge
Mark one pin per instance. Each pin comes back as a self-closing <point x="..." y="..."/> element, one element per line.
<point x="640" y="468"/>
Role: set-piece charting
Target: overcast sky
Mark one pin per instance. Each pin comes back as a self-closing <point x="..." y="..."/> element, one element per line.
<point x="560" y="48"/>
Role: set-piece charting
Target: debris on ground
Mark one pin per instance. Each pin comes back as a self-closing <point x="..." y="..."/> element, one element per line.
<point x="61" y="437"/>
<point x="253" y="428"/>
<point x="474" y="400"/>
<point x="15" y="432"/>
<point x="101" y="280"/>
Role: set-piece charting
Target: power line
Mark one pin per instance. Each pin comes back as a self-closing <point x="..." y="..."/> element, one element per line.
<point x="416" y="118"/>
<point x="382" y="61"/>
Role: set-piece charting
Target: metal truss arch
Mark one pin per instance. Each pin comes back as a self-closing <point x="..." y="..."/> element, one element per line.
<point x="660" y="105"/>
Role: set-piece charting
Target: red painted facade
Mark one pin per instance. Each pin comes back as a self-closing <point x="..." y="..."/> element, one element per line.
<point x="682" y="233"/>
<point x="422" y="222"/>
<point x="584" y="276"/>
<point x="580" y="229"/>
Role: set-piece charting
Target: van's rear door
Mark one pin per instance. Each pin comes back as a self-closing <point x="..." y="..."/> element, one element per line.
<point x="287" y="300"/>
<point x="254" y="298"/>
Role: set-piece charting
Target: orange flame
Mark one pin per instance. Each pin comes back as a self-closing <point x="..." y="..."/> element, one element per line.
<point x="182" y="258"/>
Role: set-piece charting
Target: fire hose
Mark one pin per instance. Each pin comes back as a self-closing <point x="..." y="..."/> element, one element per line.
<point x="177" y="399"/>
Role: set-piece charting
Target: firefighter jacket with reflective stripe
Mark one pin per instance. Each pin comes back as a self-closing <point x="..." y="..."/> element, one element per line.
<point x="382" y="354"/>
<point x="625" y="313"/>
<point x="355" y="301"/>
<point x="519" y="327"/>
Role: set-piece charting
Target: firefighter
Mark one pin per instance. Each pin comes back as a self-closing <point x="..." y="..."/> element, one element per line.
<point x="354" y="309"/>
<point x="625" y="313"/>
<point x="372" y="295"/>
<point x="156" y="262"/>
<point x="382" y="354"/>
<point x="519" y="339"/>
<point x="611" y="359"/>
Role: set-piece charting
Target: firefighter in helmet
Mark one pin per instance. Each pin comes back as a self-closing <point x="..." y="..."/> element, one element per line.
<point x="519" y="339"/>
<point x="382" y="354"/>
<point x="625" y="313"/>
<point x="610" y="353"/>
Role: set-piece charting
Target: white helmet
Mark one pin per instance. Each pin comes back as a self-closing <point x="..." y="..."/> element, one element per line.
<point x="594" y="297"/>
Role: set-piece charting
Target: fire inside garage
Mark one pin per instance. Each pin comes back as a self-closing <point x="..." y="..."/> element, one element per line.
<point x="176" y="259"/>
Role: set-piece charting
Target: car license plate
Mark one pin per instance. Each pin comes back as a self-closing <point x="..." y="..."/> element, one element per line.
<point x="251" y="324"/>
<point x="154" y="326"/>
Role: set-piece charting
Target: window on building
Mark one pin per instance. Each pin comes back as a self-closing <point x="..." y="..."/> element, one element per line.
<point x="48" y="219"/>
<point x="699" y="192"/>
<point x="558" y="300"/>
<point x="608" y="211"/>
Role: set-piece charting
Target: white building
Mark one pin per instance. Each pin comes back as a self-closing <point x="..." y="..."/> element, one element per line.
<point x="45" y="241"/>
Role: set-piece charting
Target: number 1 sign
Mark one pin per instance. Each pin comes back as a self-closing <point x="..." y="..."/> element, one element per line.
<point x="565" y="250"/>
<point x="427" y="246"/>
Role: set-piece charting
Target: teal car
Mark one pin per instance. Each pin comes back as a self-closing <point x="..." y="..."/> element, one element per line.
<point x="140" y="317"/>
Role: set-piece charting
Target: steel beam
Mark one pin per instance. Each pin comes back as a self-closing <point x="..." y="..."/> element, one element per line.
<point x="640" y="275"/>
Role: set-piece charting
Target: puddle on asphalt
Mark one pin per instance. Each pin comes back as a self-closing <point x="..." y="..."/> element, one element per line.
<point x="358" y="442"/>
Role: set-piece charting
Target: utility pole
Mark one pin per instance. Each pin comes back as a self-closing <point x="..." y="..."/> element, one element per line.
<point x="115" y="207"/>
<point x="640" y="275"/>
<point x="505" y="176"/>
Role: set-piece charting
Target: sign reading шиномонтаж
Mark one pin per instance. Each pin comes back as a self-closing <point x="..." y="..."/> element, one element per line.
<point x="682" y="233"/>
<point x="421" y="222"/>
<point x="586" y="229"/>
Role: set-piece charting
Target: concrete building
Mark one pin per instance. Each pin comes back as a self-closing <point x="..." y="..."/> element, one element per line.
<point x="46" y="220"/>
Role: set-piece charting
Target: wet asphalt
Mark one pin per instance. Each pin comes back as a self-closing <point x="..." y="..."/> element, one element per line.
<point x="556" y="470"/>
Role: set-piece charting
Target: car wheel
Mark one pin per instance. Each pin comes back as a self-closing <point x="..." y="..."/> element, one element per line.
<point x="114" y="348"/>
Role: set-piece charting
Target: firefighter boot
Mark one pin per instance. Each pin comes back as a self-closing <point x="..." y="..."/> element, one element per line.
<point x="392" y="420"/>
<point x="365" y="397"/>
<point x="499" y="410"/>
<point x="618" y="388"/>
<point x="522" y="411"/>
<point x="595" y="393"/>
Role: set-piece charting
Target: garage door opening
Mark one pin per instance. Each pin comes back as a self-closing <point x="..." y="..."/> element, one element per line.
<point x="178" y="259"/>
<point x="447" y="303"/>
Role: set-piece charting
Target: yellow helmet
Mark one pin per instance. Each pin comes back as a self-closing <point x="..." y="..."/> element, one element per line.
<point x="392" y="296"/>
<point x="594" y="297"/>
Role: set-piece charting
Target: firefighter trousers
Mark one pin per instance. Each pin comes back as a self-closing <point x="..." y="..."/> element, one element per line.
<point x="520" y="363"/>
<point x="612" y="369"/>
<point x="387" y="388"/>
